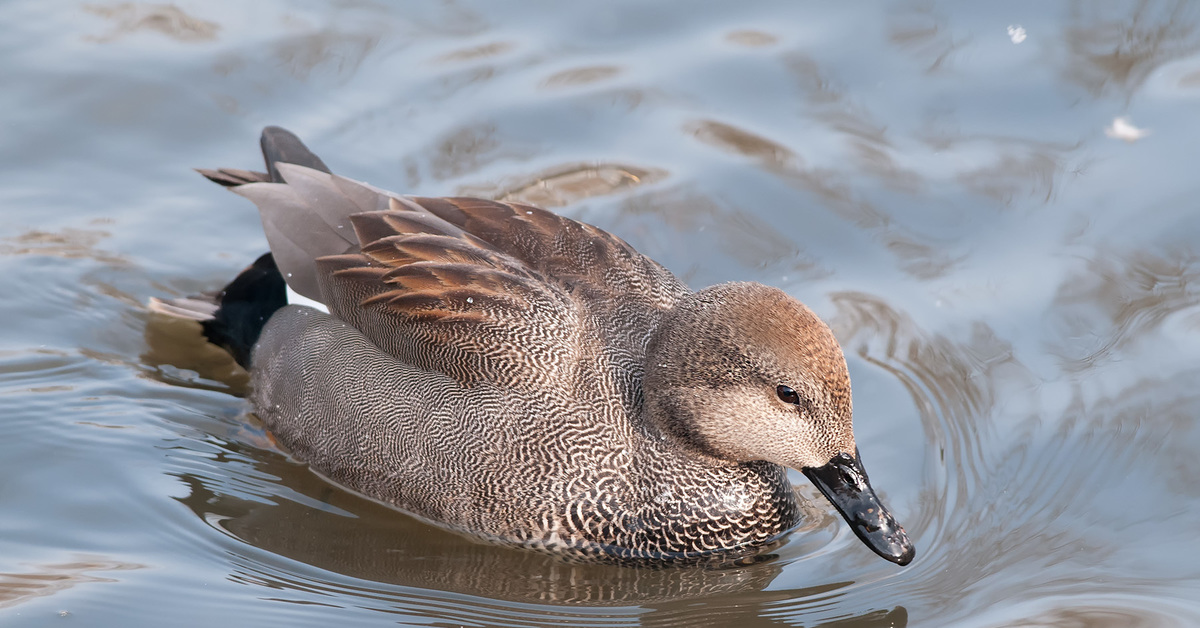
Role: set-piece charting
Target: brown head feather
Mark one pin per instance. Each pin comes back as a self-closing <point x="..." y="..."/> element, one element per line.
<point x="714" y="368"/>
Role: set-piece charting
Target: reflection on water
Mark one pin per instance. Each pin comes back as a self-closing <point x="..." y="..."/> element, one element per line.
<point x="1016" y="292"/>
<point x="697" y="220"/>
<point x="1191" y="80"/>
<point x="924" y="260"/>
<point x="69" y="243"/>
<point x="167" y="19"/>
<point x="1098" y="616"/>
<point x="1019" y="168"/>
<point x="921" y="31"/>
<point x="353" y="536"/>
<point x="745" y="143"/>
<point x="953" y="387"/>
<point x="563" y="185"/>
<point x="1114" y="47"/>
<point x="339" y="53"/>
<point x="321" y="525"/>
<point x="467" y="150"/>
<point x="785" y="163"/>
<point x="47" y="580"/>
<point x="1048" y="521"/>
<point x="476" y="52"/>
<point x="1026" y="171"/>
<point x="1121" y="297"/>
<point x="581" y="76"/>
<point x="751" y="38"/>
<point x="178" y="353"/>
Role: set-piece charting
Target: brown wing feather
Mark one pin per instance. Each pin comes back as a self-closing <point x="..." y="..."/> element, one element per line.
<point x="486" y="290"/>
<point x="571" y="253"/>
<point x="439" y="298"/>
<point x="477" y="289"/>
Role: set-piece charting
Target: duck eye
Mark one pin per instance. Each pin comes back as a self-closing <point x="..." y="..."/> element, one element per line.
<point x="787" y="395"/>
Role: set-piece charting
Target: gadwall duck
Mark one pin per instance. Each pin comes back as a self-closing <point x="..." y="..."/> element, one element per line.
<point x="511" y="374"/>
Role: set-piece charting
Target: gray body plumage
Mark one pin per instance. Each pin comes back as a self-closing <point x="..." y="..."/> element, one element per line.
<point x="544" y="468"/>
<point x="506" y="402"/>
<point x="526" y="378"/>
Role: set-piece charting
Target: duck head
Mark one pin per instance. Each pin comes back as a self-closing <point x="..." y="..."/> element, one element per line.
<point x="746" y="373"/>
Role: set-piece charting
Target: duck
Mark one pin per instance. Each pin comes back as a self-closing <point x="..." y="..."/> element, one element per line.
<point x="522" y="378"/>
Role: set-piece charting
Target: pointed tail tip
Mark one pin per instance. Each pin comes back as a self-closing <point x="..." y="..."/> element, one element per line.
<point x="275" y="133"/>
<point x="281" y="145"/>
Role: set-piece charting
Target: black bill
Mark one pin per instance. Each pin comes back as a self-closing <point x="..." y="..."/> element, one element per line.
<point x="844" y="482"/>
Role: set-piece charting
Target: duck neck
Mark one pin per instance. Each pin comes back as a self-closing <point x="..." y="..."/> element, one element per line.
<point x="670" y="389"/>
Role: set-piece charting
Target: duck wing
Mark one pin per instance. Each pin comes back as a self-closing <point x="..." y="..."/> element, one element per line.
<point x="479" y="290"/>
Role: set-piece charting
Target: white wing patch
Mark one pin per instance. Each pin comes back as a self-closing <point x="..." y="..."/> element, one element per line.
<point x="295" y="298"/>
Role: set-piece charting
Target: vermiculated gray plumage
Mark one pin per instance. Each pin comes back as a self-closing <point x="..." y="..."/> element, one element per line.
<point x="483" y="366"/>
<point x="535" y="468"/>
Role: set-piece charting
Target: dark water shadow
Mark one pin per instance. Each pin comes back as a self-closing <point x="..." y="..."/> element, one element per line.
<point x="277" y="505"/>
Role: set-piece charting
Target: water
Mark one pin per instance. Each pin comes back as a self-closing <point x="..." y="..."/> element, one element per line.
<point x="1018" y="293"/>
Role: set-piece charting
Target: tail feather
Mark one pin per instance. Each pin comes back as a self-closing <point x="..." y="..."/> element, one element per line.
<point x="304" y="208"/>
<point x="233" y="177"/>
<point x="281" y="145"/>
<point x="201" y="307"/>
<point x="234" y="317"/>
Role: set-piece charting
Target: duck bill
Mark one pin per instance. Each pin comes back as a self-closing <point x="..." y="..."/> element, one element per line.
<point x="844" y="483"/>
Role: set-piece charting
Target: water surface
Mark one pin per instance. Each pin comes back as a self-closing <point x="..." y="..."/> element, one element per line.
<point x="1017" y="291"/>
